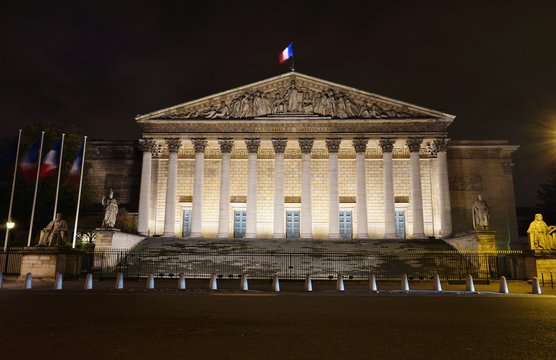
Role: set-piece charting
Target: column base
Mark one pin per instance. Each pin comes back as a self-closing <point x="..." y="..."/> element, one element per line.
<point x="419" y="237"/>
<point x="362" y="236"/>
<point x="195" y="236"/>
<point x="223" y="236"/>
<point x="306" y="236"/>
<point x="334" y="236"/>
<point x="278" y="236"/>
<point x="393" y="236"/>
<point x="169" y="234"/>
<point x="250" y="236"/>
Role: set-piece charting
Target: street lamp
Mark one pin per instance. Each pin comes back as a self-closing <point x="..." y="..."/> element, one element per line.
<point x="10" y="224"/>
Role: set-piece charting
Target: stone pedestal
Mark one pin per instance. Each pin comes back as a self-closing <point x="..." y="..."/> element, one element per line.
<point x="46" y="262"/>
<point x="539" y="264"/>
<point x="104" y="237"/>
<point x="486" y="240"/>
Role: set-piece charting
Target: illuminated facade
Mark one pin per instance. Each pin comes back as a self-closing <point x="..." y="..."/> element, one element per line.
<point x="298" y="157"/>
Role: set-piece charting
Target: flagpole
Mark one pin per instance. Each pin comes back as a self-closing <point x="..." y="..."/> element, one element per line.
<point x="58" y="182"/>
<point x="293" y="65"/>
<point x="79" y="193"/>
<point x="35" y="195"/>
<point x="13" y="190"/>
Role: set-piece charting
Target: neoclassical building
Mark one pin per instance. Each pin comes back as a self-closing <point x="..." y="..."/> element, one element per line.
<point x="294" y="156"/>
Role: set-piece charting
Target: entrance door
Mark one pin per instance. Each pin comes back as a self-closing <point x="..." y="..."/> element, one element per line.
<point x="292" y="224"/>
<point x="400" y="224"/>
<point x="240" y="223"/>
<point x="346" y="228"/>
<point x="186" y="228"/>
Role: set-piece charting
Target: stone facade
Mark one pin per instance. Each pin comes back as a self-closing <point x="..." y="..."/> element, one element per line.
<point x="472" y="167"/>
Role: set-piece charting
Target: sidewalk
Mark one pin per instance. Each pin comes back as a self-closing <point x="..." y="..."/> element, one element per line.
<point x="286" y="286"/>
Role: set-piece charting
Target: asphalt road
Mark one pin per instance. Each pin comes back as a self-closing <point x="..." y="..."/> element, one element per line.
<point x="41" y="324"/>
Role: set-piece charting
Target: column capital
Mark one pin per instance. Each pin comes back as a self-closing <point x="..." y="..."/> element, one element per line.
<point x="387" y="145"/>
<point x="440" y="145"/>
<point x="414" y="144"/>
<point x="173" y="144"/>
<point x="252" y="145"/>
<point x="226" y="145"/>
<point x="360" y="144"/>
<point x="146" y="144"/>
<point x="156" y="150"/>
<point x="279" y="145"/>
<point x="199" y="144"/>
<point x="306" y="145"/>
<point x="333" y="144"/>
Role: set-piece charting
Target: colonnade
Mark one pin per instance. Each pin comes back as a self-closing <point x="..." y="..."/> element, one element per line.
<point x="306" y="224"/>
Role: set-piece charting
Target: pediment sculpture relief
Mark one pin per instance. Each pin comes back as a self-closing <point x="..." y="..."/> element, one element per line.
<point x="293" y="99"/>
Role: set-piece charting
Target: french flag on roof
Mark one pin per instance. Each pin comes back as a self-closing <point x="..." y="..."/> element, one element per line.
<point x="30" y="161"/>
<point x="51" y="160"/>
<point x="286" y="54"/>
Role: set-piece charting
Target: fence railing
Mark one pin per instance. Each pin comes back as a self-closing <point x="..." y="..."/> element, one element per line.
<point x="385" y="264"/>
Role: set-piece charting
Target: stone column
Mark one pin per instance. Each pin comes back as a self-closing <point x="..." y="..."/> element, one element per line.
<point x="306" y="225"/>
<point x="251" y="226"/>
<point x="226" y="146"/>
<point x="279" y="149"/>
<point x="443" y="187"/>
<point x="387" y="145"/>
<point x="170" y="209"/>
<point x="416" y="194"/>
<point x="199" y="144"/>
<point x="333" y="146"/>
<point x="146" y="146"/>
<point x="360" y="145"/>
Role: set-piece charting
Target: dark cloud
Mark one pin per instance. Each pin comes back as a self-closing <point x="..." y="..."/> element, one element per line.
<point x="98" y="64"/>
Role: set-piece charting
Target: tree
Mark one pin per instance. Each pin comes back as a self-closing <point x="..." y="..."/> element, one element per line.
<point x="547" y="194"/>
<point x="24" y="190"/>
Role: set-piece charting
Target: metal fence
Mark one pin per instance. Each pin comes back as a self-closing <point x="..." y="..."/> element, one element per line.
<point x="387" y="265"/>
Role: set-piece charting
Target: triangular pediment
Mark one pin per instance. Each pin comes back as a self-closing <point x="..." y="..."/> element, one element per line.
<point x="293" y="95"/>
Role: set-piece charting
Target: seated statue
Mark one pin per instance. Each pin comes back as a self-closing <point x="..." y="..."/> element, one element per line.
<point x="54" y="234"/>
<point x="538" y="234"/>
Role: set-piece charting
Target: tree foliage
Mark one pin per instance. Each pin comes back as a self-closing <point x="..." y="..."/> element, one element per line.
<point x="547" y="193"/>
<point x="24" y="190"/>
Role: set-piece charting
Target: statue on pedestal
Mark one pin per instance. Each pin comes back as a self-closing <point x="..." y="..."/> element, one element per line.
<point x="110" y="210"/>
<point x="54" y="234"/>
<point x="480" y="214"/>
<point x="538" y="234"/>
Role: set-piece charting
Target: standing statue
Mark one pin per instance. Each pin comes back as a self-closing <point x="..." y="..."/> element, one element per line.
<point x="54" y="234"/>
<point x="480" y="214"/>
<point x="110" y="210"/>
<point x="538" y="233"/>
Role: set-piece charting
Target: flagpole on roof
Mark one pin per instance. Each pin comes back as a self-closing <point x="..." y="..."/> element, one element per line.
<point x="58" y="182"/>
<point x="13" y="190"/>
<point x="36" y="188"/>
<point x="79" y="192"/>
<point x="293" y="65"/>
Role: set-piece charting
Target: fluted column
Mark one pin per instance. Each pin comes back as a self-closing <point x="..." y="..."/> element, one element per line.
<point x="333" y="146"/>
<point x="416" y="194"/>
<point x="387" y="145"/>
<point x="251" y="226"/>
<point x="360" y="145"/>
<point x="444" y="188"/>
<point x="146" y="146"/>
<point x="306" y="223"/>
<point x="199" y="144"/>
<point x="172" y="178"/>
<point x="226" y="146"/>
<point x="279" y="149"/>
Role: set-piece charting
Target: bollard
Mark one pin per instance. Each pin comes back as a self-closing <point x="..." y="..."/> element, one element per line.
<point x="404" y="283"/>
<point x="469" y="286"/>
<point x="150" y="281"/>
<point x="58" y="282"/>
<point x="503" y="285"/>
<point x="551" y="281"/>
<point x="535" y="287"/>
<point x="212" y="284"/>
<point x="275" y="284"/>
<point x="542" y="278"/>
<point x="181" y="282"/>
<point x="340" y="282"/>
<point x="244" y="286"/>
<point x="437" y="284"/>
<point x="1" y="280"/>
<point x="28" y="281"/>
<point x="119" y="281"/>
<point x="308" y="283"/>
<point x="372" y="283"/>
<point x="88" y="282"/>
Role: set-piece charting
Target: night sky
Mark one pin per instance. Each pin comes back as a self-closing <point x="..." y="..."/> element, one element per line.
<point x="97" y="65"/>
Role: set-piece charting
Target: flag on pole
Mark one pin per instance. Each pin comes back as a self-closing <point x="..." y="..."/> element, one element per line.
<point x="75" y="171"/>
<point x="286" y="54"/>
<point x="30" y="161"/>
<point x="51" y="160"/>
